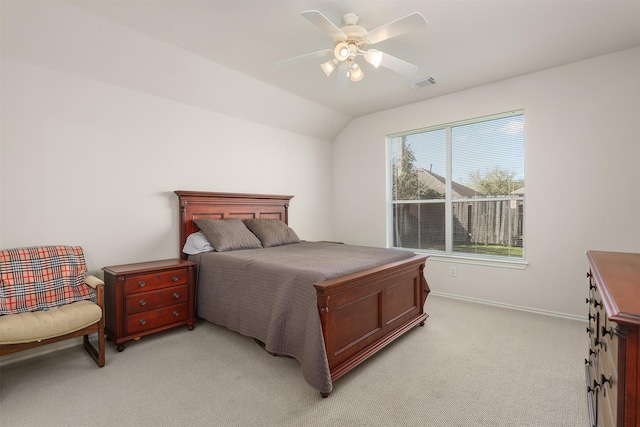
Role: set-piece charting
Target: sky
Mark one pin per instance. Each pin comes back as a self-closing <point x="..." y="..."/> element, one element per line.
<point x="480" y="146"/>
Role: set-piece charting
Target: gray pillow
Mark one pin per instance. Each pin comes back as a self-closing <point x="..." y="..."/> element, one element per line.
<point x="272" y="232"/>
<point x="227" y="234"/>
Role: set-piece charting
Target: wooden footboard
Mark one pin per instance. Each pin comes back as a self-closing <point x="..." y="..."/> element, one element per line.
<point x="361" y="313"/>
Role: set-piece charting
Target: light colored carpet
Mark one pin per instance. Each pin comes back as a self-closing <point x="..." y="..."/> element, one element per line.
<point x="471" y="365"/>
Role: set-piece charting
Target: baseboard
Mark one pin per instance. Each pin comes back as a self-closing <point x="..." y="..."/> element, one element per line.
<point x="39" y="351"/>
<point x="513" y="307"/>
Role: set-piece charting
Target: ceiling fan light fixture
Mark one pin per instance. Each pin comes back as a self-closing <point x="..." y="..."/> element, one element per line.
<point x="374" y="57"/>
<point x="342" y="51"/>
<point x="355" y="73"/>
<point x="329" y="67"/>
<point x="350" y="41"/>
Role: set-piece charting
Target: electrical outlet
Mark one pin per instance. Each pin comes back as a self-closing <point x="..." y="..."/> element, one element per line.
<point x="453" y="272"/>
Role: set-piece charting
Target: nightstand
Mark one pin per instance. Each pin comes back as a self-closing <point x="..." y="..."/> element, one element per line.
<point x="148" y="297"/>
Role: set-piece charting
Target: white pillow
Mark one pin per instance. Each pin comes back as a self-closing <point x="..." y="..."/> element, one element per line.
<point x="196" y="243"/>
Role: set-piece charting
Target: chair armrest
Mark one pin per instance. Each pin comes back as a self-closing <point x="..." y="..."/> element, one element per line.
<point x="98" y="285"/>
<point x="93" y="281"/>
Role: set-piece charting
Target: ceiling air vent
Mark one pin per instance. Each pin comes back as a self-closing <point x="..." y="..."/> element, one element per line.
<point x="422" y="83"/>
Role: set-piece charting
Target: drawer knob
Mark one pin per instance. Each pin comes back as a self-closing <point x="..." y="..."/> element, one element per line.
<point x="143" y="302"/>
<point x="597" y="385"/>
<point x="176" y="295"/>
<point x="174" y="278"/>
<point x="596" y="303"/>
<point x="589" y="330"/>
<point x="176" y="313"/>
<point x="141" y="284"/>
<point x="592" y="316"/>
<point x="606" y="331"/>
<point x="142" y="322"/>
<point x="587" y="362"/>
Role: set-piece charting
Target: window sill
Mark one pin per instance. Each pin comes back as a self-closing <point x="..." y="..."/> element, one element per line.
<point x="487" y="262"/>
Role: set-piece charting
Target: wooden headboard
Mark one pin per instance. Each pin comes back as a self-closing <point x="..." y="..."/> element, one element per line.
<point x="201" y="204"/>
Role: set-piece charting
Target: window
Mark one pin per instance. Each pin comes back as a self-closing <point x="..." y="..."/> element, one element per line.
<point x="458" y="189"/>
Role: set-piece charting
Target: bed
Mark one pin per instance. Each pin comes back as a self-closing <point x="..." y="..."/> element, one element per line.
<point x="331" y="310"/>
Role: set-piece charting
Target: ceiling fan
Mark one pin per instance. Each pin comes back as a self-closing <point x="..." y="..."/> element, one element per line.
<point x="351" y="41"/>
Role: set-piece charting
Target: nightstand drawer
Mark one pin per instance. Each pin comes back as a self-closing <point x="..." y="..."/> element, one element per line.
<point x="145" y="321"/>
<point x="145" y="301"/>
<point x="151" y="281"/>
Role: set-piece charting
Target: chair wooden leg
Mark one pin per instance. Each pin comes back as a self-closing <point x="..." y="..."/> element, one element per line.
<point x="96" y="355"/>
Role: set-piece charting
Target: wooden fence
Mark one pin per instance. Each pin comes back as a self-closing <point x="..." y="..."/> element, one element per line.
<point x="486" y="222"/>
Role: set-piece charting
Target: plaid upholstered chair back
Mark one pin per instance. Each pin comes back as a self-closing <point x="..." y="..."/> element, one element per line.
<point x="42" y="277"/>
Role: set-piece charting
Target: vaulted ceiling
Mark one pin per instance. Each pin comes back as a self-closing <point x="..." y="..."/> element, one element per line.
<point x="465" y="44"/>
<point x="221" y="54"/>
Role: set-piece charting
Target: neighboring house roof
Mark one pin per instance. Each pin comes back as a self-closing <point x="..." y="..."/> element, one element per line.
<point x="437" y="183"/>
<point x="518" y="192"/>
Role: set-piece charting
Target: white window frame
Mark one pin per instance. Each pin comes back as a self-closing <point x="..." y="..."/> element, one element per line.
<point x="448" y="255"/>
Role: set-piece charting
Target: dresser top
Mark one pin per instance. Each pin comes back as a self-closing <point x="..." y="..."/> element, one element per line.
<point x="617" y="275"/>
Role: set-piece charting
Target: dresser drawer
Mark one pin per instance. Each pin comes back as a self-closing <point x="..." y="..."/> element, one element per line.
<point x="147" y="320"/>
<point x="149" y="300"/>
<point x="606" y="403"/>
<point x="157" y="280"/>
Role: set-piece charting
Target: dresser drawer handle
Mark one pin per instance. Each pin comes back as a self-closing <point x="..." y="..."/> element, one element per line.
<point x="176" y="295"/>
<point x="175" y="278"/>
<point x="141" y="284"/>
<point x="142" y="322"/>
<point x="176" y="313"/>
<point x="606" y="331"/>
<point x="143" y="302"/>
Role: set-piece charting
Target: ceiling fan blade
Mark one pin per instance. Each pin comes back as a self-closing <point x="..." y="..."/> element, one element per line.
<point x="317" y="54"/>
<point x="403" y="25"/>
<point x="401" y="67"/>
<point x="321" y="21"/>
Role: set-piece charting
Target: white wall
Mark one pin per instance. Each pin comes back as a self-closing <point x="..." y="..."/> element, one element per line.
<point x="101" y="124"/>
<point x="91" y="164"/>
<point x="582" y="137"/>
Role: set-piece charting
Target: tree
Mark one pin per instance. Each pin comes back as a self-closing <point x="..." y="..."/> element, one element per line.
<point x="406" y="180"/>
<point x="497" y="182"/>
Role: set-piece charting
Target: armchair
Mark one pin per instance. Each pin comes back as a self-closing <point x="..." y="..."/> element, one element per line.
<point x="46" y="297"/>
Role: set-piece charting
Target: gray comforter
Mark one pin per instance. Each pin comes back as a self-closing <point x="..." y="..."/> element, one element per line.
<point x="268" y="294"/>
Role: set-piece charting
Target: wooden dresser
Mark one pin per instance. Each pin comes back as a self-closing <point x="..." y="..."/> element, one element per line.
<point x="613" y="363"/>
<point x="148" y="297"/>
